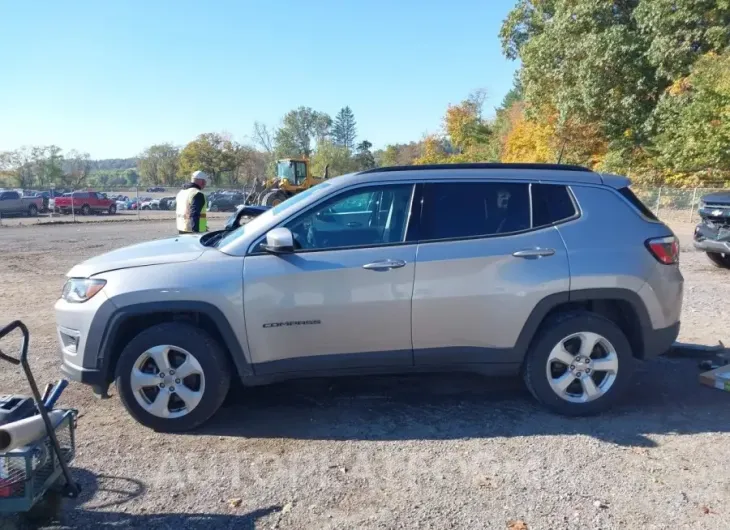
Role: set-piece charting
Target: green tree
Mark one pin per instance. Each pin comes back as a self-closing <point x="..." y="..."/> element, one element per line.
<point x="344" y="130"/>
<point x="159" y="164"/>
<point x="680" y="32"/>
<point x="78" y="169"/>
<point x="300" y="130"/>
<point x="693" y="119"/>
<point x="336" y="158"/>
<point x="364" y="158"/>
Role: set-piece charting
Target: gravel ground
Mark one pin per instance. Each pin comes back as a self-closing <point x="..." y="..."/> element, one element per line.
<point x="452" y="451"/>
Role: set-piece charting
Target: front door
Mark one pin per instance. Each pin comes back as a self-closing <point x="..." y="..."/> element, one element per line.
<point x="343" y="298"/>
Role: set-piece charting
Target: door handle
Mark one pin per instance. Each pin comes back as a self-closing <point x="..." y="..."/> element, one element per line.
<point x="532" y="253"/>
<point x="384" y="264"/>
<point x="353" y="224"/>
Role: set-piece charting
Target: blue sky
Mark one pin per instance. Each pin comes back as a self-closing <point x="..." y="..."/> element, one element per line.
<point x="113" y="77"/>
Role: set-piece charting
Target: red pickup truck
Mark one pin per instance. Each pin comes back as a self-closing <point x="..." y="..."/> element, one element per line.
<point x="85" y="203"/>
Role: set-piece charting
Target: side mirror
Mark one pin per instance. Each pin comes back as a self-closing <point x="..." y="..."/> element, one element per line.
<point x="279" y="241"/>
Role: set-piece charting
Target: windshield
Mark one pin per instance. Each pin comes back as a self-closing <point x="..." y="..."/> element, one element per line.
<point x="285" y="170"/>
<point x="265" y="217"/>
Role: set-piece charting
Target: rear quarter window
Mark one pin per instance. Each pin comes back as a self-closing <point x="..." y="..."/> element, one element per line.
<point x="551" y="203"/>
<point x="636" y="203"/>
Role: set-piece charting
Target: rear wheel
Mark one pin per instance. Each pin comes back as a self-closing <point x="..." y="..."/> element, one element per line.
<point x="85" y="210"/>
<point x="112" y="209"/>
<point x="32" y="210"/>
<point x="172" y="377"/>
<point x="579" y="364"/>
<point x="719" y="260"/>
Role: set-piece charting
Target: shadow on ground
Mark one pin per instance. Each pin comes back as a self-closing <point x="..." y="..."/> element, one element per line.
<point x="666" y="397"/>
<point x="102" y="502"/>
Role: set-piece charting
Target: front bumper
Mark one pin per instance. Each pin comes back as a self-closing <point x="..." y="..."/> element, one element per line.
<point x="712" y="239"/>
<point x="79" y="331"/>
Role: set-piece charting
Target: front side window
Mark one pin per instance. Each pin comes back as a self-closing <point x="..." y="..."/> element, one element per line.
<point x="474" y="209"/>
<point x="365" y="217"/>
<point x="11" y="195"/>
<point x="284" y="170"/>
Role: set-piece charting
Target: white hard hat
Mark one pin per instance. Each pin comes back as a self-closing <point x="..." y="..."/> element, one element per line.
<point x="199" y="175"/>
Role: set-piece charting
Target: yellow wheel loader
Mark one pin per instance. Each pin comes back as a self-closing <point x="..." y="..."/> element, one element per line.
<point x="293" y="175"/>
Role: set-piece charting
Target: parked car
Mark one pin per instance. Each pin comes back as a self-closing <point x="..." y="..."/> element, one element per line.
<point x="85" y="203"/>
<point x="155" y="189"/>
<point x="499" y="269"/>
<point x="225" y="202"/>
<point x="150" y="204"/>
<point x="167" y="203"/>
<point x="13" y="203"/>
<point x="712" y="235"/>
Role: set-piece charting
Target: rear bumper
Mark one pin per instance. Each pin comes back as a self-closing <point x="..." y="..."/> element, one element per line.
<point x="658" y="341"/>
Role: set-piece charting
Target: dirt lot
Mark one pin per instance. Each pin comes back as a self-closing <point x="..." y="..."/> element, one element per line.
<point x="388" y="452"/>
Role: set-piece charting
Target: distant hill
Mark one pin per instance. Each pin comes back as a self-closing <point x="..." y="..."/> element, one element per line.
<point x="107" y="164"/>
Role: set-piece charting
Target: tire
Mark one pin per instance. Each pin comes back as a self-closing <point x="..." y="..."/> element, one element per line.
<point x="721" y="261"/>
<point x="85" y="210"/>
<point x="273" y="198"/>
<point x="611" y="385"/>
<point x="112" y="209"/>
<point x="214" y="374"/>
<point x="33" y="210"/>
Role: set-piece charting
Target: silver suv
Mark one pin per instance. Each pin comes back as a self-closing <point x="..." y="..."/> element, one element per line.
<point x="553" y="272"/>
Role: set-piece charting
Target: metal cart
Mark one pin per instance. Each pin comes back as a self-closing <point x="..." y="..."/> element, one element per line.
<point x="36" y="477"/>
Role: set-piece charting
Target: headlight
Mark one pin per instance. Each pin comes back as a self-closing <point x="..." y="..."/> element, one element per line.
<point x="78" y="290"/>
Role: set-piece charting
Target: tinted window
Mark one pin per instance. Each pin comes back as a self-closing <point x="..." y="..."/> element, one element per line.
<point x="11" y="195"/>
<point x="551" y="203"/>
<point x="465" y="209"/>
<point x="633" y="199"/>
<point x="363" y="217"/>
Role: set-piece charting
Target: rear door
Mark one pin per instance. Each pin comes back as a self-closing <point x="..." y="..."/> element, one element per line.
<point x="483" y="264"/>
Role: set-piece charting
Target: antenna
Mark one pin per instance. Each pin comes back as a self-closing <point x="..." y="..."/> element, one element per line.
<point x="562" y="148"/>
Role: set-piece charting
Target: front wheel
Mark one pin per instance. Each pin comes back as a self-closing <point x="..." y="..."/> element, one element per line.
<point x="579" y="364"/>
<point x="112" y="209"/>
<point x="719" y="260"/>
<point x="273" y="198"/>
<point x="172" y="377"/>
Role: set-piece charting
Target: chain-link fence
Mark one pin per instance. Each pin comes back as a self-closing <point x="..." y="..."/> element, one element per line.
<point x="675" y="204"/>
<point x="158" y="202"/>
<point x="111" y="203"/>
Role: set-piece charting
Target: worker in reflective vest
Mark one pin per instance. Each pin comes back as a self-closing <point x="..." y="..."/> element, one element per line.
<point x="191" y="206"/>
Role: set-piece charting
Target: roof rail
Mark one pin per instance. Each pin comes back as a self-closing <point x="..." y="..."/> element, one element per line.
<point x="480" y="165"/>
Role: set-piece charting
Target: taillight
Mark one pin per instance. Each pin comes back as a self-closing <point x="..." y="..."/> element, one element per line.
<point x="664" y="249"/>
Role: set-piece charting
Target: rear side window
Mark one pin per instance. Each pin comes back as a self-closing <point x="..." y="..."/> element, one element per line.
<point x="633" y="199"/>
<point x="474" y="209"/>
<point x="551" y="203"/>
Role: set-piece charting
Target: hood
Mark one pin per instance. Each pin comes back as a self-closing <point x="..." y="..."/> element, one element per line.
<point x="173" y="250"/>
<point x="722" y="197"/>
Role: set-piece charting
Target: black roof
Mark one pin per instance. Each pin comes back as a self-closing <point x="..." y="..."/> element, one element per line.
<point x="481" y="165"/>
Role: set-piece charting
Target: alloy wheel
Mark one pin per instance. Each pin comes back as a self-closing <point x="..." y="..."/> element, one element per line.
<point x="167" y="381"/>
<point x="582" y="367"/>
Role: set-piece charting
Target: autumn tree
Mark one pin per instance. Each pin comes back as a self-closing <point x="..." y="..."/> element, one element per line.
<point x="209" y="152"/>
